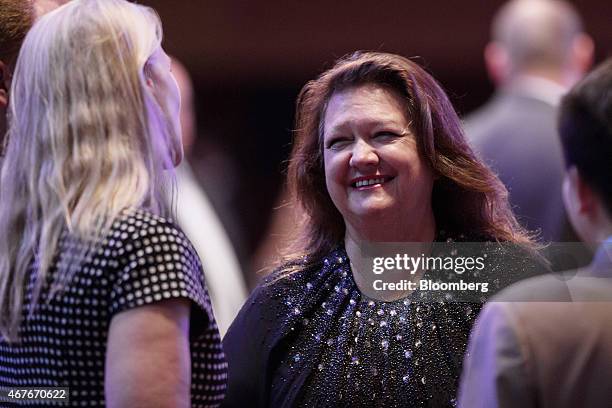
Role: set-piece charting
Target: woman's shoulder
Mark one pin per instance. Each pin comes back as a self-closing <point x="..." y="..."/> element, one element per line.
<point x="143" y="236"/>
<point x="284" y="279"/>
<point x="145" y="230"/>
<point x="140" y="222"/>
<point x="155" y="260"/>
<point x="282" y="298"/>
<point x="511" y="262"/>
<point x="297" y="284"/>
<point x="304" y="272"/>
<point x="278" y="309"/>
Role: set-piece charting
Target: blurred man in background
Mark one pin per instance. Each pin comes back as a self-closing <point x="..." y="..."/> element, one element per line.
<point x="537" y="52"/>
<point x="198" y="219"/>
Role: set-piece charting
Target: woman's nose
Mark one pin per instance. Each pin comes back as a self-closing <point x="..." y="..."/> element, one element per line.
<point x="363" y="155"/>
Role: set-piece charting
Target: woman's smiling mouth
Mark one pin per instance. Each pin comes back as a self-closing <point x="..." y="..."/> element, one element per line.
<point x="369" y="181"/>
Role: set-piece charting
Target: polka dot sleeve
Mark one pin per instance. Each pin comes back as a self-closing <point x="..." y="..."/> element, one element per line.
<point x="156" y="262"/>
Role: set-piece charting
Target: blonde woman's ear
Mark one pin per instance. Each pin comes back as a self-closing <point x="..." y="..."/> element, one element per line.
<point x="3" y="98"/>
<point x="4" y="84"/>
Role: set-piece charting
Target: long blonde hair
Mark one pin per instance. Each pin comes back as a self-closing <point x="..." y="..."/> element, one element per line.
<point x="87" y="140"/>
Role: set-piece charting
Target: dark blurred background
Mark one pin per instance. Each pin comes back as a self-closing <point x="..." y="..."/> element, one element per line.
<point x="249" y="59"/>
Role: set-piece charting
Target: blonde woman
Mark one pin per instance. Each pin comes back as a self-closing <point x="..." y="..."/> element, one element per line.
<point x="99" y="292"/>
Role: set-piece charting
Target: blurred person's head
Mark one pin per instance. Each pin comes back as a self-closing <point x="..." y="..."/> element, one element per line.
<point x="427" y="163"/>
<point x="188" y="116"/>
<point x="16" y="18"/>
<point x="538" y="37"/>
<point x="585" y="127"/>
<point x="93" y="131"/>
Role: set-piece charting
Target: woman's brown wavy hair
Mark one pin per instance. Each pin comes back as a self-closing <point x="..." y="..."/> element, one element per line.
<point x="467" y="196"/>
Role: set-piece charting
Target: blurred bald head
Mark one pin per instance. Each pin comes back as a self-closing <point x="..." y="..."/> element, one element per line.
<point x="539" y="36"/>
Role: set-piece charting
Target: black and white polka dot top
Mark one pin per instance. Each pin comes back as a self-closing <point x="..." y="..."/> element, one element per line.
<point x="144" y="259"/>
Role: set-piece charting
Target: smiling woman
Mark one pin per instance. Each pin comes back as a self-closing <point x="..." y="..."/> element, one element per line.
<point x="374" y="174"/>
<point x="379" y="156"/>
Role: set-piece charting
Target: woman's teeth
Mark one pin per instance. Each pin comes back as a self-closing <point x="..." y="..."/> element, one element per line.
<point x="369" y="182"/>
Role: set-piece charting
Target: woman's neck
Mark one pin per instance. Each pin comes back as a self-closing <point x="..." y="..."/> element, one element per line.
<point x="418" y="228"/>
<point x="422" y="230"/>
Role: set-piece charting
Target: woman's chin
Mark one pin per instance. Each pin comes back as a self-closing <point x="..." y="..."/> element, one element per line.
<point x="373" y="211"/>
<point x="374" y="203"/>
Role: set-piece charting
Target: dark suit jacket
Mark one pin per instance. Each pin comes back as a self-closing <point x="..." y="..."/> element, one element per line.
<point x="516" y="134"/>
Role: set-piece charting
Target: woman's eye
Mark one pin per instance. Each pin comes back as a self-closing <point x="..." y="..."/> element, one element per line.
<point x="337" y="143"/>
<point x="385" y="135"/>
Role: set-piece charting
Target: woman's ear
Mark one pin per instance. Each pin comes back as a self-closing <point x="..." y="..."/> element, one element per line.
<point x="148" y="73"/>
<point x="4" y="84"/>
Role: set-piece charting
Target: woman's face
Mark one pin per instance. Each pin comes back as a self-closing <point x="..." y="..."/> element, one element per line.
<point x="372" y="165"/>
<point x="167" y="94"/>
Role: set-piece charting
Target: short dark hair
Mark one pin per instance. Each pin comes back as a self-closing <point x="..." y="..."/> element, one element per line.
<point x="585" y="127"/>
<point x="16" y="19"/>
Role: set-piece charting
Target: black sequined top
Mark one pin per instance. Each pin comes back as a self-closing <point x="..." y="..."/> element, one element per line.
<point x="314" y="340"/>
